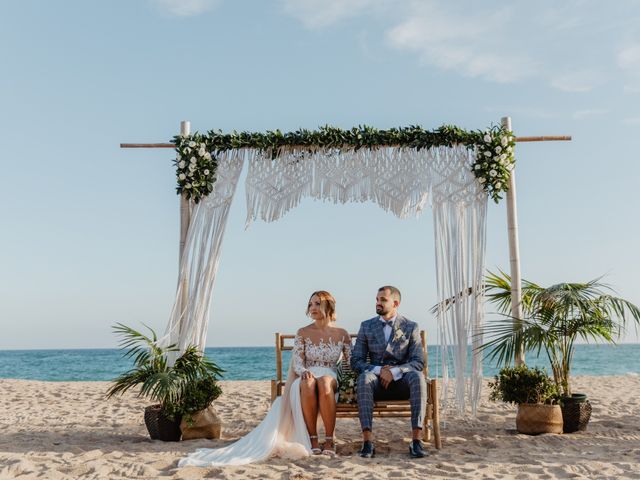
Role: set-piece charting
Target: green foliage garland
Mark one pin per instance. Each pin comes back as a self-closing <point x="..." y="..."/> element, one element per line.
<point x="196" y="161"/>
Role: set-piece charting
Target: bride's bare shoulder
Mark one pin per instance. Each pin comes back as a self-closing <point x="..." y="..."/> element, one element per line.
<point x="342" y="333"/>
<point x="304" y="331"/>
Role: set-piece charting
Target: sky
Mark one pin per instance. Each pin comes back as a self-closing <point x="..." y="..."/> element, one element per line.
<point x="90" y="231"/>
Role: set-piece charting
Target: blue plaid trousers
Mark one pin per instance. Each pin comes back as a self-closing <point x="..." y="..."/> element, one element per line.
<point x="411" y="386"/>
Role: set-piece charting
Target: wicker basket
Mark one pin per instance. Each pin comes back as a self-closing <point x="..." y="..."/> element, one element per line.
<point x="576" y="416"/>
<point x="160" y="427"/>
<point x="535" y="418"/>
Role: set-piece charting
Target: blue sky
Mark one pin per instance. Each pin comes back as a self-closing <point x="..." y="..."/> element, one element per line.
<point x="90" y="231"/>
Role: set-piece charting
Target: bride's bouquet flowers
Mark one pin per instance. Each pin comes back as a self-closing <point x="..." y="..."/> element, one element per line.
<point x="195" y="166"/>
<point x="495" y="160"/>
<point x="347" y="385"/>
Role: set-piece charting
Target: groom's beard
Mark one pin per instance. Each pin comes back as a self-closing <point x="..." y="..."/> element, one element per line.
<point x="381" y="311"/>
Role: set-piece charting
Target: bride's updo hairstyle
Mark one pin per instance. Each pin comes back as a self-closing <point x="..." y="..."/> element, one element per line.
<point x="327" y="304"/>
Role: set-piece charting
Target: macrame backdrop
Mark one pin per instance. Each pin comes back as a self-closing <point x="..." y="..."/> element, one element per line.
<point x="400" y="180"/>
<point x="188" y="323"/>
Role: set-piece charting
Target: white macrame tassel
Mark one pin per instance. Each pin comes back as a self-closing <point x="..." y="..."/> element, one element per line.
<point x="188" y="324"/>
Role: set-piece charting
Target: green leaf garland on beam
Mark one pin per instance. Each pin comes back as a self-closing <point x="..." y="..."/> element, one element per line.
<point x="196" y="161"/>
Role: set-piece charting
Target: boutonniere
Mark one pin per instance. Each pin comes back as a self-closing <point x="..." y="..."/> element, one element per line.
<point x="398" y="335"/>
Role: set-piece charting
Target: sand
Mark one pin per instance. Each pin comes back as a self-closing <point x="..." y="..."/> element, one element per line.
<point x="68" y="430"/>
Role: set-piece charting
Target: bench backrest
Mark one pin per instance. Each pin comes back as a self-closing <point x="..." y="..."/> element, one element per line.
<point x="281" y="345"/>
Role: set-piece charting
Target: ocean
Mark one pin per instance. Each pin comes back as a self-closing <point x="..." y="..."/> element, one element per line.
<point x="258" y="363"/>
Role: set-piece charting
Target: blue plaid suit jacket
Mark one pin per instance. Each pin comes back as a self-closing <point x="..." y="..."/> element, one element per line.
<point x="404" y="349"/>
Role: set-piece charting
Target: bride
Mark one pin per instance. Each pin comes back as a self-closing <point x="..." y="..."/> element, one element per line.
<point x="290" y="428"/>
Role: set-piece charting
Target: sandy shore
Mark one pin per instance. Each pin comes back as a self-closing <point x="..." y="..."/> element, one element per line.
<point x="68" y="430"/>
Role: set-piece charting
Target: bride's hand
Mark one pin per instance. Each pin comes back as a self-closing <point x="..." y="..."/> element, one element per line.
<point x="306" y="375"/>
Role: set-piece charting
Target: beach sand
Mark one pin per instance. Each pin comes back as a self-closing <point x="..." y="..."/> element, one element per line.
<point x="67" y="430"/>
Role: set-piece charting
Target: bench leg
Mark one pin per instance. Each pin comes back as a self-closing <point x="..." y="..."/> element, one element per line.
<point x="433" y="387"/>
<point x="426" y="428"/>
<point x="274" y="390"/>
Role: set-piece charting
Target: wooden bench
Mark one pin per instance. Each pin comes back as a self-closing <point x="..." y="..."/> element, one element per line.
<point x="381" y="409"/>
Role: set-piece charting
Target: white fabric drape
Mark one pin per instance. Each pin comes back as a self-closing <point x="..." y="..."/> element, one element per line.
<point x="188" y="323"/>
<point x="402" y="181"/>
<point x="459" y="219"/>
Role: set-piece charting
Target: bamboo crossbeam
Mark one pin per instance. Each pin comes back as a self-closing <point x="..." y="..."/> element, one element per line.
<point x="552" y="138"/>
<point x="546" y="138"/>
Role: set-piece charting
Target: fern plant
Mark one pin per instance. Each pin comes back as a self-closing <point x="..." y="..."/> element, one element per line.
<point x="181" y="389"/>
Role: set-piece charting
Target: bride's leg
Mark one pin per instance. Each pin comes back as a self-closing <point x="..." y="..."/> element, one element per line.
<point x="309" y="401"/>
<point x="327" y="399"/>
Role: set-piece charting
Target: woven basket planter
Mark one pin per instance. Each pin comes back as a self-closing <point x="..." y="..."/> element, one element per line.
<point x="576" y="412"/>
<point x="159" y="426"/>
<point x="536" y="418"/>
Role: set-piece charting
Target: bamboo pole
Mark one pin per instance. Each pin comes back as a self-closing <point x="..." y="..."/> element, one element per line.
<point x="544" y="138"/>
<point x="514" y="253"/>
<point x="185" y="218"/>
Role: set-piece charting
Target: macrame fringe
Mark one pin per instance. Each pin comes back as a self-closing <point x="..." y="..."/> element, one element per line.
<point x="400" y="180"/>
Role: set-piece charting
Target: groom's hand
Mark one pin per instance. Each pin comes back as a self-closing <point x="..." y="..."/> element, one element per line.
<point x="386" y="377"/>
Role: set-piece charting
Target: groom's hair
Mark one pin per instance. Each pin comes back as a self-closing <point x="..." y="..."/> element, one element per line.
<point x="394" y="292"/>
<point x="327" y="303"/>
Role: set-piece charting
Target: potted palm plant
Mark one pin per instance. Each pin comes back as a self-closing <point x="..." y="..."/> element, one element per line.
<point x="555" y="318"/>
<point x="181" y="390"/>
<point x="536" y="396"/>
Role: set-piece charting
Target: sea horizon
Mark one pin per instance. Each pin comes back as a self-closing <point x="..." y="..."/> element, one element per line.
<point x="258" y="362"/>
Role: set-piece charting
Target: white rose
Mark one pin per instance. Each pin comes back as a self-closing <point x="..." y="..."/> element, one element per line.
<point x="201" y="152"/>
<point x="207" y="155"/>
<point x="192" y="167"/>
<point x="477" y="166"/>
<point x="487" y="153"/>
<point x="509" y="149"/>
<point x="498" y="184"/>
<point x="487" y="138"/>
<point x="485" y="165"/>
<point x="193" y="160"/>
<point x="178" y="156"/>
<point x="504" y="141"/>
<point x="181" y="164"/>
<point x="192" y="144"/>
<point x="493" y="173"/>
<point x="206" y="171"/>
<point x="187" y="150"/>
<point x="498" y="149"/>
<point x="203" y="146"/>
<point x="482" y="179"/>
<point x="503" y="157"/>
<point x="182" y="176"/>
<point x="188" y="185"/>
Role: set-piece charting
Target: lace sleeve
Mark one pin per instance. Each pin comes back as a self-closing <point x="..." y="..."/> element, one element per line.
<point x="298" y="356"/>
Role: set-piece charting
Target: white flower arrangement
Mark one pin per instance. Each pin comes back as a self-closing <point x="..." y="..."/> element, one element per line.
<point x="195" y="166"/>
<point x="399" y="335"/>
<point x="495" y="161"/>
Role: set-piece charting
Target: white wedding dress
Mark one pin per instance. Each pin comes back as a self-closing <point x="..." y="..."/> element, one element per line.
<point x="282" y="432"/>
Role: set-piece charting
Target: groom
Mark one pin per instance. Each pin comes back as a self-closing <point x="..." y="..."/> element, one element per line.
<point x="389" y="359"/>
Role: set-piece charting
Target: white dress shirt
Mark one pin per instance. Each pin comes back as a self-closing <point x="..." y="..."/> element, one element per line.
<point x="395" y="371"/>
